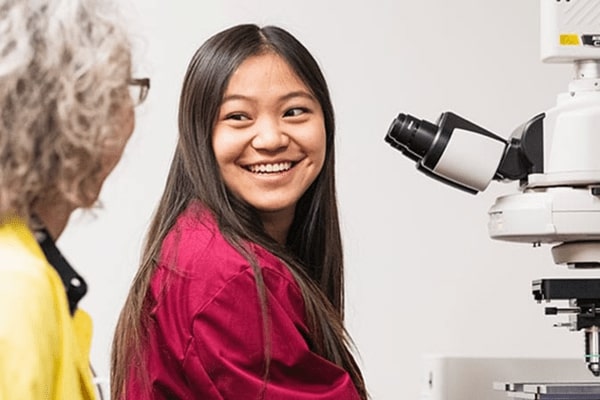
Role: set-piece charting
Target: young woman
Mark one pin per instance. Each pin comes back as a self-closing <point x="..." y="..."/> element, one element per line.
<point x="240" y="290"/>
<point x="65" y="116"/>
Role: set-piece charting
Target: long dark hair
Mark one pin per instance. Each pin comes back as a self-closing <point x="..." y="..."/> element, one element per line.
<point x="313" y="251"/>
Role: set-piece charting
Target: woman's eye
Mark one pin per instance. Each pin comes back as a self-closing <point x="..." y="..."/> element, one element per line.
<point x="294" y="112"/>
<point x="237" y="117"/>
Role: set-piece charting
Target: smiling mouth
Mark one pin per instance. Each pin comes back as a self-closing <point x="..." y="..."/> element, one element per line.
<point x="270" y="168"/>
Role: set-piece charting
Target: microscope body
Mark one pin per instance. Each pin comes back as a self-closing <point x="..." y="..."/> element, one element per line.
<point x="555" y="158"/>
<point x="559" y="199"/>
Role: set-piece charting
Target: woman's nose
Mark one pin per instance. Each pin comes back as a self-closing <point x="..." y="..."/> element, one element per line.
<point x="270" y="135"/>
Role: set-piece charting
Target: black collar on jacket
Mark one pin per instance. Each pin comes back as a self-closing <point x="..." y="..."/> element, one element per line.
<point x="75" y="285"/>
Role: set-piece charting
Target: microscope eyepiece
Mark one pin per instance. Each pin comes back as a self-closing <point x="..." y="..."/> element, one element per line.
<point x="412" y="136"/>
<point x="454" y="150"/>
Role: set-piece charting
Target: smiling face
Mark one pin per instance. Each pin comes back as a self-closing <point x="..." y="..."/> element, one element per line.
<point x="269" y="137"/>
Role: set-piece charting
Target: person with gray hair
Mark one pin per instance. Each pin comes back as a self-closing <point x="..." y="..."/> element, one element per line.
<point x="66" y="114"/>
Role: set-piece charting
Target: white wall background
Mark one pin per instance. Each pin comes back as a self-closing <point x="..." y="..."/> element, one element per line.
<point x="422" y="274"/>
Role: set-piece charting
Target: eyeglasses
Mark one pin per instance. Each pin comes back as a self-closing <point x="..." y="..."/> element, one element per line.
<point x="138" y="89"/>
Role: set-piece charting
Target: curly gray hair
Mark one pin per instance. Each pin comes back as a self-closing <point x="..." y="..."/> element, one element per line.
<point x="64" y="70"/>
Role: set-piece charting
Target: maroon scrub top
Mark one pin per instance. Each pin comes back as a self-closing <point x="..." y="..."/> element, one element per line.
<point x="206" y="337"/>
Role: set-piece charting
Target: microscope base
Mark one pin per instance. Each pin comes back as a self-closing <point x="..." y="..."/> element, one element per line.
<point x="551" y="391"/>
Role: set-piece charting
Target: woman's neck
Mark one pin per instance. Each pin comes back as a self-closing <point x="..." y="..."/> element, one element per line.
<point x="277" y="224"/>
<point x="54" y="215"/>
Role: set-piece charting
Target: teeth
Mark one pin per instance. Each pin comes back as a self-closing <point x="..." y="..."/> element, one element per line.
<point x="270" y="168"/>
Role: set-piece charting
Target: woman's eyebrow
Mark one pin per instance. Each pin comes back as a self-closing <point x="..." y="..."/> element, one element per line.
<point x="287" y="96"/>
<point x="232" y="97"/>
<point x="298" y="93"/>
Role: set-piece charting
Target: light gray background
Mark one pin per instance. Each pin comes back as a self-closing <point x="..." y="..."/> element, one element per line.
<point x="422" y="275"/>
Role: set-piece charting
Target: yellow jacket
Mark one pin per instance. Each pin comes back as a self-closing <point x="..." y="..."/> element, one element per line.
<point x="44" y="351"/>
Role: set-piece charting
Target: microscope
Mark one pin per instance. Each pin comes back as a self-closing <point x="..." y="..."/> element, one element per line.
<point x="554" y="157"/>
